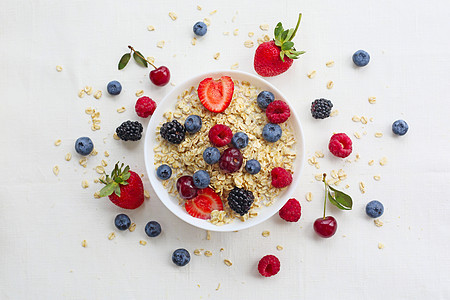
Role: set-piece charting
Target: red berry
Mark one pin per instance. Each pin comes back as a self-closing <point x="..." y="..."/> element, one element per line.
<point x="291" y="211"/>
<point x="131" y="195"/>
<point x="268" y="62"/>
<point x="216" y="95"/>
<point x="231" y="160"/>
<point x="269" y="265"/>
<point x="160" y="76"/>
<point x="325" y="227"/>
<point x="220" y="135"/>
<point x="145" y="107"/>
<point x="280" y="177"/>
<point x="340" y="145"/>
<point x="186" y="187"/>
<point x="278" y="112"/>
<point x="202" y="205"/>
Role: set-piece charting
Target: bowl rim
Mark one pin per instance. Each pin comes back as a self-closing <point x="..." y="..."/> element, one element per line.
<point x="300" y="159"/>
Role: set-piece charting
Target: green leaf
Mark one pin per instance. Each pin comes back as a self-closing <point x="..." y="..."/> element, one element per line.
<point x="290" y="55"/>
<point x="287" y="45"/>
<point x="124" y="60"/>
<point x="117" y="190"/>
<point x="127" y="168"/>
<point x="278" y="30"/>
<point x="283" y="35"/>
<point x="298" y="52"/>
<point x="278" y="43"/>
<point x="343" y="199"/>
<point x="119" y="180"/>
<point x="126" y="176"/>
<point x="289" y="35"/>
<point x="139" y="59"/>
<point x="335" y="202"/>
<point x="282" y="55"/>
<point x="108" y="189"/>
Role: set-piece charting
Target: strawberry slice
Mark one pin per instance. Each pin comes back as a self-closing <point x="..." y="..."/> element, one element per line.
<point x="216" y="95"/>
<point x="202" y="205"/>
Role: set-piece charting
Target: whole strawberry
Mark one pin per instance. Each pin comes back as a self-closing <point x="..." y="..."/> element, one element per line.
<point x="124" y="188"/>
<point x="276" y="57"/>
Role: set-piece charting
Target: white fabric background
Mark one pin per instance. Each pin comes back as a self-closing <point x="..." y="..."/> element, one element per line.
<point x="44" y="218"/>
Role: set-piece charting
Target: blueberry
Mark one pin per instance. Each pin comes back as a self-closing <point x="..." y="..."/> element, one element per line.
<point x="361" y="58"/>
<point x="264" y="99"/>
<point x="374" y="209"/>
<point x="164" y="172"/>
<point x="201" y="179"/>
<point x="272" y="132"/>
<point x="114" y="88"/>
<point x="239" y="140"/>
<point x="84" y="145"/>
<point x="122" y="222"/>
<point x="152" y="229"/>
<point x="200" y="28"/>
<point x="193" y="124"/>
<point x="400" y="127"/>
<point x="253" y="166"/>
<point x="211" y="155"/>
<point x="181" y="257"/>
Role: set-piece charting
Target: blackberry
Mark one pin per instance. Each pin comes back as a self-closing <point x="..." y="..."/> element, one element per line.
<point x="321" y="108"/>
<point x="130" y="131"/>
<point x="240" y="200"/>
<point x="173" y="132"/>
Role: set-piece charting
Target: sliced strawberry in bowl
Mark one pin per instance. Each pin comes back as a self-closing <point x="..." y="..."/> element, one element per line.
<point x="216" y="95"/>
<point x="201" y="206"/>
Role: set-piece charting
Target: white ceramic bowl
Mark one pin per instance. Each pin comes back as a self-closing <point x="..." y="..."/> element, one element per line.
<point x="168" y="104"/>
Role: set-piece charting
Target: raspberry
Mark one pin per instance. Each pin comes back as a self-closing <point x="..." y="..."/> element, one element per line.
<point x="220" y="135"/>
<point x="280" y="177"/>
<point x="340" y="145"/>
<point x="291" y="211"/>
<point x="278" y="112"/>
<point x="145" y="107"/>
<point x="321" y="108"/>
<point x="269" y="265"/>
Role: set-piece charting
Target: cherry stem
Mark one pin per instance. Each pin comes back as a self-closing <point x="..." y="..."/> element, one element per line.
<point x="132" y="49"/>
<point x="296" y="27"/>
<point x="326" y="188"/>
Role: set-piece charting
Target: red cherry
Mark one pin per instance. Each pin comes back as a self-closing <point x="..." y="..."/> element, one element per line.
<point x="186" y="187"/>
<point x="160" y="76"/>
<point x="231" y="160"/>
<point x="325" y="227"/>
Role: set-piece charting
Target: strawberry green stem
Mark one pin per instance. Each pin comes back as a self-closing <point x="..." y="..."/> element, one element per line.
<point x="296" y="26"/>
<point x="132" y="49"/>
<point x="326" y="189"/>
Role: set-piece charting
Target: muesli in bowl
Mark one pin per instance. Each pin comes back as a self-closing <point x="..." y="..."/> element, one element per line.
<point x="222" y="153"/>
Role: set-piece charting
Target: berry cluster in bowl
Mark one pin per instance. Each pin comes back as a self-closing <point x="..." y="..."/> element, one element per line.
<point x="226" y="150"/>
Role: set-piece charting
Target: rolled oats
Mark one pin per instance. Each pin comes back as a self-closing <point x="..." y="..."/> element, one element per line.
<point x="372" y="100"/>
<point x="356" y="119"/>
<point x="207" y="21"/>
<point x="97" y="195"/>
<point x="116" y="137"/>
<point x="194" y="41"/>
<point x="81" y="93"/>
<point x="227" y="262"/>
<point x="151" y="59"/>
<point x="98" y="94"/>
<point x="208" y="235"/>
<point x="363" y="120"/>
<point x="56" y="170"/>
<point x="139" y="93"/>
<point x="380" y="246"/>
<point x="264" y="27"/>
<point x="371" y="162"/>
<point x="100" y="169"/>
<point x="226" y="33"/>
<point x="208" y="253"/>
<point x="111" y="236"/>
<point x="234" y="66"/>
<point x="68" y="156"/>
<point x="330" y="63"/>
<point x="106" y="154"/>
<point x="217" y="55"/>
<point x="199" y="7"/>
<point x="362" y="187"/>
<point x="312" y="74"/>
<point x="330" y="84"/>
<point x="279" y="248"/>
<point x="146" y="194"/>
<point x="309" y="196"/>
<point x="151" y="28"/>
<point x="378" y="134"/>
<point x="377" y="177"/>
<point x="173" y="16"/>
<point x="85" y="184"/>
<point x="132" y="227"/>
<point x="265" y="233"/>
<point x="319" y="154"/>
<point x="357" y="135"/>
<point x="88" y="89"/>
<point x="57" y="142"/>
<point x="213" y="12"/>
<point x="251" y="33"/>
<point x="383" y="161"/>
<point x="59" y="68"/>
<point x="94" y="152"/>
<point x="83" y="243"/>
<point x="248" y="44"/>
<point x="378" y="222"/>
<point x="89" y="110"/>
<point x="83" y="162"/>
<point x="121" y="109"/>
<point x="160" y="44"/>
<point x="236" y="32"/>
<point x="143" y="243"/>
<point x="334" y="113"/>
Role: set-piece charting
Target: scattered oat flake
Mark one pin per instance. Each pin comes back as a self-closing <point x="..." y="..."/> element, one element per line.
<point x="226" y="33"/>
<point x="197" y="252"/>
<point x="88" y="89"/>
<point x="56" y="170"/>
<point x="111" y="236"/>
<point x="59" y="68"/>
<point x="194" y="41"/>
<point x="106" y="153"/>
<point x="371" y="119"/>
<point x="81" y="93"/>
<point x="378" y="222"/>
<point x="371" y="162"/>
<point x="151" y="59"/>
<point x="151" y="28"/>
<point x="260" y="41"/>
<point x="265" y="233"/>
<point x="236" y="31"/>
<point x="319" y="154"/>
<point x="312" y="74"/>
<point x="97" y="195"/>
<point x="160" y="44"/>
<point x="57" y="142"/>
<point x="330" y="63"/>
<point x="115" y="136"/>
<point x="233" y="19"/>
<point x="173" y="16"/>
<point x="318" y="177"/>
<point x="68" y="156"/>
<point x="279" y="248"/>
<point x="308" y="196"/>
<point x="132" y="227"/>
<point x="142" y="242"/>
<point x="356" y="119"/>
<point x="334" y="113"/>
<point x="235" y="66"/>
<point x="380" y="246"/>
<point x="213" y="12"/>
<point x="378" y="134"/>
<point x="330" y="84"/>
<point x="227" y="262"/>
<point x="199" y="7"/>
<point x="264" y="27"/>
<point x="84" y="244"/>
<point x="383" y="161"/>
<point x="362" y="187"/>
<point x="266" y="38"/>
<point x="218" y="287"/>
<point x="207" y="21"/>
<point x="221" y="249"/>
<point x="364" y="120"/>
<point x="217" y="55"/>
<point x="357" y="135"/>
<point x="377" y="177"/>
<point x="248" y="44"/>
<point x="208" y="253"/>
<point x="98" y="94"/>
<point x="372" y="100"/>
<point x="208" y="235"/>
<point x="89" y="110"/>
<point x="85" y="184"/>
<point x="139" y="93"/>
<point x="251" y="33"/>
<point x="100" y="169"/>
<point x="146" y="194"/>
<point x="121" y="109"/>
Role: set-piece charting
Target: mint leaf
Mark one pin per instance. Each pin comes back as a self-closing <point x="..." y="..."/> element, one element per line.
<point x="335" y="202"/>
<point x="342" y="198"/>
<point x="139" y="59"/>
<point x="287" y="45"/>
<point x="124" y="60"/>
